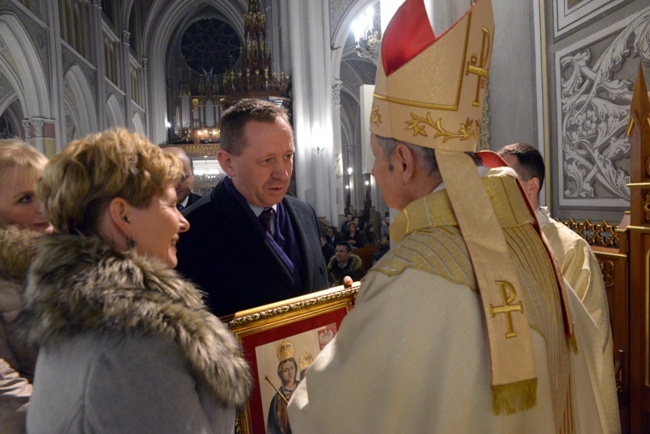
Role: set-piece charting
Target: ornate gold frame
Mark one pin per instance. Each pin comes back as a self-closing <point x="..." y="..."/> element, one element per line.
<point x="256" y="328"/>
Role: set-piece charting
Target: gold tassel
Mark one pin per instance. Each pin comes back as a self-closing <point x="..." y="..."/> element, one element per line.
<point x="514" y="397"/>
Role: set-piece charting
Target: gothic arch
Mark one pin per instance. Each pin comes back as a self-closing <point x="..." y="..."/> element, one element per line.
<point x="157" y="36"/>
<point x="347" y="67"/>
<point x="138" y="125"/>
<point x="79" y="97"/>
<point x="21" y="65"/>
<point x="13" y="116"/>
<point x="114" y="115"/>
<point x="71" y="121"/>
<point x="343" y="32"/>
<point x="7" y="97"/>
<point x="125" y="12"/>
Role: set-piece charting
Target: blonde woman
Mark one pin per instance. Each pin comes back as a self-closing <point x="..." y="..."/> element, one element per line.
<point x="21" y="222"/>
<point x="126" y="345"/>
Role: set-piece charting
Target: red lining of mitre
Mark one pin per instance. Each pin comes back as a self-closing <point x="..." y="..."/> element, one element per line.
<point x="491" y="159"/>
<point x="408" y="34"/>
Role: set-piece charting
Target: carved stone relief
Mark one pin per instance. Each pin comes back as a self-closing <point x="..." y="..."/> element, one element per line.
<point x="336" y="91"/>
<point x="594" y="84"/>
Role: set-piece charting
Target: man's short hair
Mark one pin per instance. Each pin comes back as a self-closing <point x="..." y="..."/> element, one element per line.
<point x="531" y="162"/>
<point x="235" y="118"/>
<point x="177" y="150"/>
<point x="426" y="155"/>
<point x="346" y="244"/>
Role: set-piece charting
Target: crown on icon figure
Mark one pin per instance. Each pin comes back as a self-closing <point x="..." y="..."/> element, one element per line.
<point x="429" y="90"/>
<point x="305" y="361"/>
<point x="286" y="350"/>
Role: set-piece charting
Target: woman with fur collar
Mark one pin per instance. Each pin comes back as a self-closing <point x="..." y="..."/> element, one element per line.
<point x="126" y="345"/>
<point x="21" y="222"/>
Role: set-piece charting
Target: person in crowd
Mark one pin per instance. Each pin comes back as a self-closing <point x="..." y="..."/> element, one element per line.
<point x="327" y="249"/>
<point x="353" y="236"/>
<point x="344" y="263"/>
<point x="578" y="264"/>
<point x="359" y="223"/>
<point x="332" y="237"/>
<point x="125" y="344"/>
<point x="468" y="300"/>
<point x="344" y="225"/>
<point x="21" y="223"/>
<point x="385" y="225"/>
<point x="250" y="221"/>
<point x="384" y="247"/>
<point x="369" y="235"/>
<point x="184" y="195"/>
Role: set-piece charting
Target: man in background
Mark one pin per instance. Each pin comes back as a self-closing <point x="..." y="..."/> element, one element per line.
<point x="348" y="219"/>
<point x="578" y="264"/>
<point x="251" y="244"/>
<point x="384" y="247"/>
<point x="184" y="195"/>
<point x="344" y="263"/>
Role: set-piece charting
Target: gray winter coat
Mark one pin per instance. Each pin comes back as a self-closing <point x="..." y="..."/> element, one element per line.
<point x="126" y="346"/>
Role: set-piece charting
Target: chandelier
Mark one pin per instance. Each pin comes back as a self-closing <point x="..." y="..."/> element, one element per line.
<point x="367" y="40"/>
<point x="253" y="77"/>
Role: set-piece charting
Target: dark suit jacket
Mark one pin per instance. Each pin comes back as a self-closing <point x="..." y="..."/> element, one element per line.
<point x="333" y="241"/>
<point x="233" y="263"/>
<point x="193" y="197"/>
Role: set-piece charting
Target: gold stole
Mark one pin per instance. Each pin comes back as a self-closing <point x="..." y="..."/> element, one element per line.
<point x="541" y="306"/>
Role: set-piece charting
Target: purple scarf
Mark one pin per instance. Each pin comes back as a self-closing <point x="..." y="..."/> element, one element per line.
<point x="283" y="242"/>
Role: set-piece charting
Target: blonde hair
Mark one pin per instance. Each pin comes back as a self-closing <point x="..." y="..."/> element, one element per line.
<point x="19" y="156"/>
<point x="80" y="181"/>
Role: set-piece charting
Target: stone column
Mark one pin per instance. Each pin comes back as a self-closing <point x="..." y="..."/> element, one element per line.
<point x="312" y="113"/>
<point x="339" y="188"/>
<point x="39" y="132"/>
<point x="56" y="88"/>
<point x="125" y="70"/>
<point x="97" y="47"/>
<point x="145" y="95"/>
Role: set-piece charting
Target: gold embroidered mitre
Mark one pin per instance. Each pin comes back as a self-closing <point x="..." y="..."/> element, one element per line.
<point x="429" y="91"/>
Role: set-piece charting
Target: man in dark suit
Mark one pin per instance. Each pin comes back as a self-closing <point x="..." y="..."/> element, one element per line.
<point x="249" y="244"/>
<point x="184" y="195"/>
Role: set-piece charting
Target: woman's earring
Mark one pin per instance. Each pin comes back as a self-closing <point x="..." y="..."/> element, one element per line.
<point x="130" y="243"/>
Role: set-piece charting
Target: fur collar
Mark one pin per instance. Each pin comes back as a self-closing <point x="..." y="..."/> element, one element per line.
<point x="80" y="284"/>
<point x="17" y="249"/>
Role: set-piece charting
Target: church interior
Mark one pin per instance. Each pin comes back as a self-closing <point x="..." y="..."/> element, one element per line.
<point x="562" y="79"/>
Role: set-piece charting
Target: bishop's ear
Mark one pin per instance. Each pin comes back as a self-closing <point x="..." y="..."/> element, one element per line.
<point x="404" y="161"/>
